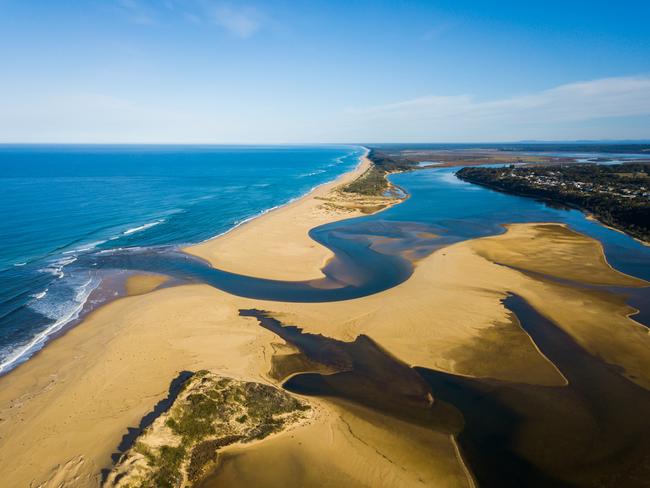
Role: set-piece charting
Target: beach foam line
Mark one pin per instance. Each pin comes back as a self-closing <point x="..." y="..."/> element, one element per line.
<point x="40" y="295"/>
<point x="56" y="268"/>
<point x="239" y="223"/>
<point x="85" y="247"/>
<point x="312" y="173"/>
<point x="140" y="228"/>
<point x="114" y="250"/>
<point x="9" y="266"/>
<point x="24" y="352"/>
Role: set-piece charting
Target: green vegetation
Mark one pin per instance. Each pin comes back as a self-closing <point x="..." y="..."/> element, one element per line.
<point x="195" y="420"/>
<point x="617" y="195"/>
<point x="205" y="453"/>
<point x="168" y="463"/>
<point x="373" y="182"/>
<point x="211" y="412"/>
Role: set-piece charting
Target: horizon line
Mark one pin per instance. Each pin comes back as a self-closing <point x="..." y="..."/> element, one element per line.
<point x="526" y="141"/>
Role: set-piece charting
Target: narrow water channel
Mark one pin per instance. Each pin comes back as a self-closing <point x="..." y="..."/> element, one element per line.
<point x="595" y="431"/>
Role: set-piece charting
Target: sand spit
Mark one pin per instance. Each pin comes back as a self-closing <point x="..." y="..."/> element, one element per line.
<point x="63" y="413"/>
<point x="279" y="239"/>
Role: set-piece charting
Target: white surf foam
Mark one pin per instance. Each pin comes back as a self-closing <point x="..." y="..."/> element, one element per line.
<point x="312" y="173"/>
<point x="140" y="228"/>
<point x="40" y="295"/>
<point x="23" y="352"/>
<point x="56" y="268"/>
<point x="84" y="247"/>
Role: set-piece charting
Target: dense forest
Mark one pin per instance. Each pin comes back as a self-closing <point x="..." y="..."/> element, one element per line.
<point x="617" y="195"/>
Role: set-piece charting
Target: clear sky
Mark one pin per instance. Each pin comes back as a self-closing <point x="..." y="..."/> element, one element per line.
<point x="212" y="71"/>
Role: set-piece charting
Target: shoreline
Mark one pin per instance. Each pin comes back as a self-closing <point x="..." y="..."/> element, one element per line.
<point x="30" y="381"/>
<point x="106" y="290"/>
<point x="593" y="218"/>
<point x="588" y="214"/>
<point x="262" y="213"/>
<point x="75" y="317"/>
<point x="288" y="251"/>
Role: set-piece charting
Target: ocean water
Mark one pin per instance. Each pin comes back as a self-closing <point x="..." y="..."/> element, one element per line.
<point x="61" y="203"/>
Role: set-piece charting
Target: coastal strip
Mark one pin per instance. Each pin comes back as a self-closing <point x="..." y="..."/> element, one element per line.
<point x="98" y="292"/>
<point x="104" y="375"/>
<point x="287" y="252"/>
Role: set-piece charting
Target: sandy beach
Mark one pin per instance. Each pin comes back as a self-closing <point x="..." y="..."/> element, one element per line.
<point x="63" y="413"/>
<point x="286" y="251"/>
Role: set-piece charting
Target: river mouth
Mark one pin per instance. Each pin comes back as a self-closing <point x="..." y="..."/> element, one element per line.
<point x="378" y="252"/>
<point x="594" y="431"/>
<point x="369" y="257"/>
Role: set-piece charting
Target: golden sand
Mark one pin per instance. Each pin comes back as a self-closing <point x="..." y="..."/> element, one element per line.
<point x="143" y="283"/>
<point x="286" y="251"/>
<point x="64" y="411"/>
<point x="347" y="446"/>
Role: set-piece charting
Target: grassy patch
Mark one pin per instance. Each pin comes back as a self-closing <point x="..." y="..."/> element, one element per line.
<point x="168" y="462"/>
<point x="211" y="413"/>
<point x="373" y="182"/>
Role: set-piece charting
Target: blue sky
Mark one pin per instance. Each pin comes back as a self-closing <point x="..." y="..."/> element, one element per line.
<point x="212" y="71"/>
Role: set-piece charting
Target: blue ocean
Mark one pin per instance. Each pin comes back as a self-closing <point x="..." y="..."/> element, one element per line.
<point x="60" y="203"/>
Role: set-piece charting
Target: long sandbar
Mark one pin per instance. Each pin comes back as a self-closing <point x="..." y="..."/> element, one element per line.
<point x="282" y="247"/>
